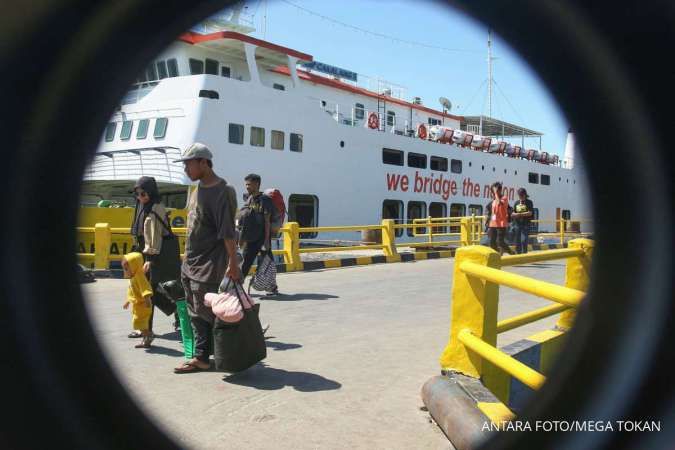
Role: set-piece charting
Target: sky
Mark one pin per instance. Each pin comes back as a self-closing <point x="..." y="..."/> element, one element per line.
<point x="457" y="70"/>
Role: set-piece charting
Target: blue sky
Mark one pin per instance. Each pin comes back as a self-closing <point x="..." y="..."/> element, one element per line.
<point x="426" y="72"/>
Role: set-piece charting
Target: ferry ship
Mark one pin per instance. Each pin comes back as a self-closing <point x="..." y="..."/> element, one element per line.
<point x="341" y="152"/>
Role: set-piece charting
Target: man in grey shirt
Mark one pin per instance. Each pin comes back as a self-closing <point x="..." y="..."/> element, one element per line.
<point x="210" y="250"/>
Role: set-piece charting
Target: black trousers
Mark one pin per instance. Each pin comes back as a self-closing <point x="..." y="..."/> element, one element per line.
<point x="251" y="251"/>
<point x="497" y="240"/>
<point x="201" y="316"/>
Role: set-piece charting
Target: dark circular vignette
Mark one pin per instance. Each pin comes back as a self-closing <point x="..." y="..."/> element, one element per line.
<point x="67" y="63"/>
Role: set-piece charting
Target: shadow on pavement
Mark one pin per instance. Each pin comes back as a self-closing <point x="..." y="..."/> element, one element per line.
<point x="269" y="379"/>
<point x="297" y="297"/>
<point x="173" y="336"/>
<point x="281" y="346"/>
<point x="163" y="351"/>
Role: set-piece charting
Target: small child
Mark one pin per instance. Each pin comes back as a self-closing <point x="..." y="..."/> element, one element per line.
<point x="138" y="295"/>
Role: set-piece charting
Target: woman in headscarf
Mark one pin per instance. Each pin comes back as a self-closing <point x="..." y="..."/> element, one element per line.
<point x="149" y="229"/>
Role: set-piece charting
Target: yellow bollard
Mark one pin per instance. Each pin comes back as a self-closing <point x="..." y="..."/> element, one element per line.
<point x="388" y="237"/>
<point x="292" y="246"/>
<point x="474" y="308"/>
<point x="562" y="231"/>
<point x="577" y="276"/>
<point x="465" y="233"/>
<point x="102" y="240"/>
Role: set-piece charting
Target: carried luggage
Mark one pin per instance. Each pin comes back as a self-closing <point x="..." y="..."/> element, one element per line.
<point x="230" y="304"/>
<point x="238" y="346"/>
<point x="166" y="294"/>
<point x="265" y="277"/>
<point x="251" y="224"/>
<point x="173" y="291"/>
<point x="277" y="198"/>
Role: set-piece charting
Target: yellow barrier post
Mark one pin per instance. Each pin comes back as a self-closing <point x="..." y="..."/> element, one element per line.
<point x="102" y="240"/>
<point x="388" y="237"/>
<point x="474" y="308"/>
<point x="562" y="231"/>
<point x="430" y="230"/>
<point x="292" y="245"/>
<point x="577" y="276"/>
<point x="465" y="234"/>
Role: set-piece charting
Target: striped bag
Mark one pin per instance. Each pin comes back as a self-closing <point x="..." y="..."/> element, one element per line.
<point x="265" y="277"/>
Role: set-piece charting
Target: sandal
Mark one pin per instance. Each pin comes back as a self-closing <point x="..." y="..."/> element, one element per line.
<point x="134" y="334"/>
<point x="189" y="367"/>
<point x="146" y="343"/>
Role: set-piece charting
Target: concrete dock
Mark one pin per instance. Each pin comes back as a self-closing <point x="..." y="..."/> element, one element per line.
<point x="348" y="352"/>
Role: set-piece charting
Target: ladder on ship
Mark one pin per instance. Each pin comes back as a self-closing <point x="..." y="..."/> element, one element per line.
<point x="382" y="110"/>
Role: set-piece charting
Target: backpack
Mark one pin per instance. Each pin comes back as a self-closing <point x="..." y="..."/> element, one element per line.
<point x="278" y="217"/>
<point x="251" y="224"/>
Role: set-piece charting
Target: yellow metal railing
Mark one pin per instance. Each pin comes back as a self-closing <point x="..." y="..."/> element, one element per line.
<point x="435" y="232"/>
<point x="475" y="297"/>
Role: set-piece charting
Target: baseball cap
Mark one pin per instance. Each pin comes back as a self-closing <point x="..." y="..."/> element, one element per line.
<point x="195" y="151"/>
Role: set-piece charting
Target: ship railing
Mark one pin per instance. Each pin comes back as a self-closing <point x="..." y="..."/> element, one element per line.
<point x="108" y="243"/>
<point x="474" y="326"/>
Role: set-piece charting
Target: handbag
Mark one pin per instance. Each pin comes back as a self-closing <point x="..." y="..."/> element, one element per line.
<point x="229" y="305"/>
<point x="265" y="277"/>
<point x="238" y="346"/>
<point x="168" y="260"/>
<point x="166" y="294"/>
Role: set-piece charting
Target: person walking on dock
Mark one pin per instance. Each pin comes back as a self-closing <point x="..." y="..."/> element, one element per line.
<point x="498" y="217"/>
<point x="254" y="222"/>
<point x="210" y="248"/>
<point x="522" y="215"/>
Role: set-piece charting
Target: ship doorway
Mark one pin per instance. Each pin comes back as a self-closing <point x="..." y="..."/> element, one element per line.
<point x="416" y="210"/>
<point x="393" y="209"/>
<point x="437" y="209"/>
<point x="304" y="209"/>
<point x="457" y="210"/>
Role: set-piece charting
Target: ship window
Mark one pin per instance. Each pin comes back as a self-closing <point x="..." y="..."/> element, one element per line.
<point x="433" y="121"/>
<point x="279" y="87"/>
<point x="142" y="131"/>
<point x="475" y="210"/>
<point x="438" y="163"/>
<point x="172" y="67"/>
<point x="161" y="70"/>
<point x="225" y="72"/>
<point x="257" y="137"/>
<point x="359" y="111"/>
<point x="416" y="210"/>
<point x="277" y="140"/>
<point x="236" y="134"/>
<point x="393" y="209"/>
<point x="438" y="209"/>
<point x="545" y="179"/>
<point x="391" y="118"/>
<point x="457" y="210"/>
<point x="160" y="127"/>
<point x="211" y="67"/>
<point x="533" y="177"/>
<point x="207" y="93"/>
<point x="417" y="160"/>
<point x="566" y="214"/>
<point x="456" y="165"/>
<point x="125" y="132"/>
<point x="393" y="157"/>
<point x="196" y="66"/>
<point x="296" y="142"/>
<point x="151" y="72"/>
<point x="110" y="131"/>
<point x="304" y="209"/>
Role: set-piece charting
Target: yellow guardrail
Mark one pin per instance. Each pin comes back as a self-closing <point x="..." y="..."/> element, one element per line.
<point x="475" y="298"/>
<point x="436" y="232"/>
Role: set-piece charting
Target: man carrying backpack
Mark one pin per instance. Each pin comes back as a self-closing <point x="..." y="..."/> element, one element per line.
<point x="255" y="224"/>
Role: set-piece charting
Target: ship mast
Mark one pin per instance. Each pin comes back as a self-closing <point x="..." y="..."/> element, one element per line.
<point x="489" y="60"/>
